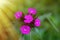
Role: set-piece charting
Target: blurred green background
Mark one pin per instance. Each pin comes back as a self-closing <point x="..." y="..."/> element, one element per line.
<point x="49" y="13"/>
<point x="47" y="10"/>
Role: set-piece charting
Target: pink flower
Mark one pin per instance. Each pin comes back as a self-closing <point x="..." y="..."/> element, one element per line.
<point x="18" y="15"/>
<point x="37" y="22"/>
<point x="28" y="18"/>
<point x="32" y="11"/>
<point x="25" y="29"/>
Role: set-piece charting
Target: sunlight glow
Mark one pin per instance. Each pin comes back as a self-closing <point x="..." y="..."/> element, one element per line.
<point x="3" y="2"/>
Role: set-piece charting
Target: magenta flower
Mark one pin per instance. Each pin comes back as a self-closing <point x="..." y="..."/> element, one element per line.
<point x="32" y="11"/>
<point x="28" y="20"/>
<point x="18" y="15"/>
<point x="25" y="29"/>
<point x="37" y="22"/>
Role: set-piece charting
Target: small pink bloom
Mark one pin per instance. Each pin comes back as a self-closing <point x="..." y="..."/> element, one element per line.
<point x="18" y="15"/>
<point x="32" y="11"/>
<point x="25" y="29"/>
<point x="37" y="22"/>
<point x="28" y="19"/>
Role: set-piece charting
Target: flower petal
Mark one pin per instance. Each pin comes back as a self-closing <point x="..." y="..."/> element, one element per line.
<point x="37" y="22"/>
<point x="25" y="29"/>
<point x="18" y="15"/>
<point x="32" y="11"/>
<point x="28" y="19"/>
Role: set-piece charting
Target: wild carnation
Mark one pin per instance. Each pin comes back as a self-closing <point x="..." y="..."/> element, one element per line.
<point x="28" y="20"/>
